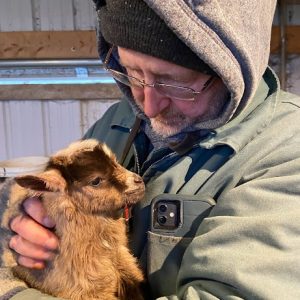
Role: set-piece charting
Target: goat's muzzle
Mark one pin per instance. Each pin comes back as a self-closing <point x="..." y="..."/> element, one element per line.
<point x="135" y="189"/>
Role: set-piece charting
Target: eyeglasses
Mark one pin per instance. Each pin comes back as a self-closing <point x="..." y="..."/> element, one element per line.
<point x="169" y="90"/>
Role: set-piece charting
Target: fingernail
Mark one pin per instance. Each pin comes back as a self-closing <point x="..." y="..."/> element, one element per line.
<point x="38" y="266"/>
<point x="51" y="243"/>
<point x="48" y="222"/>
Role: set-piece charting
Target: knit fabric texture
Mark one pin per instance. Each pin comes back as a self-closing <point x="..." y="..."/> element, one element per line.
<point x="132" y="24"/>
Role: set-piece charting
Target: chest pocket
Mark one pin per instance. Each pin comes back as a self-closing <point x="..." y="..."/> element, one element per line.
<point x="166" y="247"/>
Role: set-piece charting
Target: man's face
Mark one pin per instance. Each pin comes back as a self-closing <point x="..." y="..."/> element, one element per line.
<point x="169" y="116"/>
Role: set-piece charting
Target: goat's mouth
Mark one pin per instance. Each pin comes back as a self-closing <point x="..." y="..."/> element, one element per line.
<point x="127" y="212"/>
<point x="126" y="209"/>
<point x="133" y="196"/>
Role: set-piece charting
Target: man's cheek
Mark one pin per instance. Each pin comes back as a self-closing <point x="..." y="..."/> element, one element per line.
<point x="138" y="97"/>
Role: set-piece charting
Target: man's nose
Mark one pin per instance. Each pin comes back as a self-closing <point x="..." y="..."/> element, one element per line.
<point x="154" y="102"/>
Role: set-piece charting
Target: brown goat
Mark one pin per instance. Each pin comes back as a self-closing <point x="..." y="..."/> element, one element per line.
<point x="84" y="190"/>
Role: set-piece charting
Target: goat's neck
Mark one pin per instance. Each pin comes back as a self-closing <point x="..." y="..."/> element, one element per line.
<point x="86" y="228"/>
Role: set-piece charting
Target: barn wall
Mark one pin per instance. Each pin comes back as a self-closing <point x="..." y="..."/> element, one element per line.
<point x="41" y="126"/>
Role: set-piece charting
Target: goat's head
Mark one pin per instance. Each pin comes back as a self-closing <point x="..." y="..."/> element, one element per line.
<point x="88" y="175"/>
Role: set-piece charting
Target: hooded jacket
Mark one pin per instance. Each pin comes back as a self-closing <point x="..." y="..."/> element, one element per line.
<point x="239" y="183"/>
<point x="232" y="38"/>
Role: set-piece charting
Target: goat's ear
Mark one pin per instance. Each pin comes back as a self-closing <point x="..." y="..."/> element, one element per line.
<point x="50" y="181"/>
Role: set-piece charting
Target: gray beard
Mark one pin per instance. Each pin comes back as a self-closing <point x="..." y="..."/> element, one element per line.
<point x="214" y="111"/>
<point x="184" y="124"/>
<point x="159" y="142"/>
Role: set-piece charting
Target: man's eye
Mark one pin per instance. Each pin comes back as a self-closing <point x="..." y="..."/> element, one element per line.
<point x="96" y="181"/>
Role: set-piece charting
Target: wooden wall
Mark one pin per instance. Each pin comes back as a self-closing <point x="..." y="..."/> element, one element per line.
<point x="40" y="119"/>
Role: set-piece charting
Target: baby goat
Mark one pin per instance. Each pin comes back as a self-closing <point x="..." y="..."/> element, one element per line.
<point x="84" y="190"/>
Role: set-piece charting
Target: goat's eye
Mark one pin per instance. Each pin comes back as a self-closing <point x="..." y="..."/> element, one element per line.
<point x="96" y="181"/>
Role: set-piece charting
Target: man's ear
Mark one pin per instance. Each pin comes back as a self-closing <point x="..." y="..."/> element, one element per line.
<point x="49" y="181"/>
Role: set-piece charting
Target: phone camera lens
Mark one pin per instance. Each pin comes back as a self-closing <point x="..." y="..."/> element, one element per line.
<point x="163" y="208"/>
<point x="162" y="220"/>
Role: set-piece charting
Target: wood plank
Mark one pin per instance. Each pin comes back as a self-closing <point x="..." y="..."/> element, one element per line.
<point x="56" y="15"/>
<point x="23" y="121"/>
<point x="59" y="92"/>
<point x="16" y="15"/>
<point x="48" y="45"/>
<point x="292" y="39"/>
<point x="82" y="44"/>
<point x="61" y="122"/>
<point x="42" y="127"/>
<point x="3" y="130"/>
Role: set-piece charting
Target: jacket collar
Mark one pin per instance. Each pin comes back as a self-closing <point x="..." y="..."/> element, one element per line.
<point x="124" y="116"/>
<point x="252" y="120"/>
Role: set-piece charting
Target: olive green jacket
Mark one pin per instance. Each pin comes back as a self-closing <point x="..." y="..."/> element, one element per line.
<point x="246" y="177"/>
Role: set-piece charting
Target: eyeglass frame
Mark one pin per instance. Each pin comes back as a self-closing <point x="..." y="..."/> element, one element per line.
<point x="155" y="84"/>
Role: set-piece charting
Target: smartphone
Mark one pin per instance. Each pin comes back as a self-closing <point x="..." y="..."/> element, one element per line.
<point x="179" y="215"/>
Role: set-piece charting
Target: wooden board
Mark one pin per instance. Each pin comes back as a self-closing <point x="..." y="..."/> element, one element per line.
<point x="30" y="128"/>
<point x="59" y="92"/>
<point x="48" y="45"/>
<point x="292" y="39"/>
<point x="82" y="44"/>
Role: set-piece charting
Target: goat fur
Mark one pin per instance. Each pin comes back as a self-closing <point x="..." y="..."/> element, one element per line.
<point x="84" y="191"/>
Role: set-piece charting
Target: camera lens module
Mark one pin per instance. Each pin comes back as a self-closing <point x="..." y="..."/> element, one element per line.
<point x="163" y="208"/>
<point x="162" y="220"/>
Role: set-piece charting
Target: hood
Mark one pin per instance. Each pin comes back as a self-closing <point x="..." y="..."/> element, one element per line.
<point x="232" y="37"/>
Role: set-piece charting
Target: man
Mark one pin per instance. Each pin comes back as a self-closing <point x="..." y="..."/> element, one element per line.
<point x="206" y="125"/>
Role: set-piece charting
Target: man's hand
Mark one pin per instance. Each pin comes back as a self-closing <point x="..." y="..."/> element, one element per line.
<point x="34" y="242"/>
